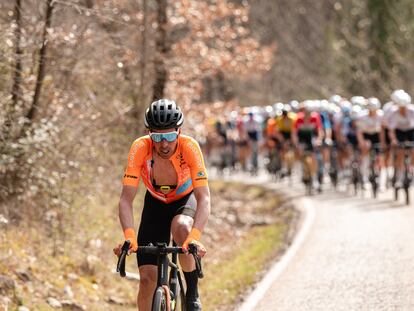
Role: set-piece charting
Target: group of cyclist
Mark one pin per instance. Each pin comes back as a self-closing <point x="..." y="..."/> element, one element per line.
<point x="354" y="128"/>
<point x="171" y="166"/>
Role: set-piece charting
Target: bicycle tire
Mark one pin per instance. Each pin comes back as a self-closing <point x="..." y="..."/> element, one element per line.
<point x="407" y="195"/>
<point x="396" y="194"/>
<point x="159" y="302"/>
<point x="180" y="301"/>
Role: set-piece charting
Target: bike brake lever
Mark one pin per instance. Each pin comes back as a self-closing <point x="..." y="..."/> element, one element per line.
<point x="120" y="267"/>
<point x="192" y="248"/>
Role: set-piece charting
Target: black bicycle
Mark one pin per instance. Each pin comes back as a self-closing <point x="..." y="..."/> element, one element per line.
<point x="356" y="176"/>
<point x="169" y="293"/>
<point x="374" y="172"/>
<point x="408" y="172"/>
<point x="333" y="165"/>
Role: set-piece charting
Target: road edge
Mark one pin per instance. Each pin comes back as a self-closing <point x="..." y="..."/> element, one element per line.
<point x="308" y="212"/>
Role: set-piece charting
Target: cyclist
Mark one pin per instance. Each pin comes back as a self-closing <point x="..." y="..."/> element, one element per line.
<point x="401" y="125"/>
<point x="307" y="131"/>
<point x="369" y="131"/>
<point x="343" y="132"/>
<point x="283" y="131"/>
<point x="177" y="200"/>
<point x="253" y="128"/>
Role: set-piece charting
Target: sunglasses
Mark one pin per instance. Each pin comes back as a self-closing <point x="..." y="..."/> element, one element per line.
<point x="159" y="137"/>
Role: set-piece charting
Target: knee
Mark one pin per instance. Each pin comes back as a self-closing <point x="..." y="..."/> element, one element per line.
<point x="182" y="229"/>
<point x="148" y="279"/>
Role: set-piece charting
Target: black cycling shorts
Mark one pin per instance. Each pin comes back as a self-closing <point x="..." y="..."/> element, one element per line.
<point x="403" y="136"/>
<point x="156" y="221"/>
<point x="353" y="140"/>
<point x="373" y="138"/>
<point x="286" y="135"/>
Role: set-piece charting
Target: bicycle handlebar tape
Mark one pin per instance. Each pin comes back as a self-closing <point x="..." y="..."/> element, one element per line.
<point x="130" y="235"/>
<point x="194" y="234"/>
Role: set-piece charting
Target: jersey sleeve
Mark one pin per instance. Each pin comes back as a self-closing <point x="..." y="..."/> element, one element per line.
<point x="196" y="163"/>
<point x="136" y="157"/>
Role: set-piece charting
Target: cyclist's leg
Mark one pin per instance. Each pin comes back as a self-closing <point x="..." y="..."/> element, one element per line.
<point x="399" y="159"/>
<point x="180" y="228"/>
<point x="154" y="227"/>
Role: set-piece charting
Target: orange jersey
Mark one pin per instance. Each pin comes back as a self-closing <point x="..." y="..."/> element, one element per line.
<point x="270" y="127"/>
<point x="187" y="160"/>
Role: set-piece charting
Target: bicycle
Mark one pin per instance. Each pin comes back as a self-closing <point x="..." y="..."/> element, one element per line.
<point x="307" y="170"/>
<point x="333" y="165"/>
<point x="373" y="169"/>
<point x="169" y="293"/>
<point x="408" y="172"/>
<point x="274" y="166"/>
<point x="356" y="176"/>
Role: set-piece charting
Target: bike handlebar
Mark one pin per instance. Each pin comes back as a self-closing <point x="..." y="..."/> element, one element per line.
<point x="160" y="249"/>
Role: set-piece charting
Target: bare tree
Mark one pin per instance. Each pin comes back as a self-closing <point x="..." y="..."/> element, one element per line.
<point x="161" y="51"/>
<point x="42" y="62"/>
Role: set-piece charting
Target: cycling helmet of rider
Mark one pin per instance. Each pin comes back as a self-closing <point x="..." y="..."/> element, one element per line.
<point x="358" y="100"/>
<point x="373" y="104"/>
<point x="163" y="114"/>
<point x="401" y="98"/>
<point x="335" y="99"/>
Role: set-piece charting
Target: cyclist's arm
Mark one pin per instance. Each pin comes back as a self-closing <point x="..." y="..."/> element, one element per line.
<point x="126" y="215"/>
<point x="360" y="137"/>
<point x="202" y="195"/>
<point x="392" y="135"/>
<point x="382" y="137"/>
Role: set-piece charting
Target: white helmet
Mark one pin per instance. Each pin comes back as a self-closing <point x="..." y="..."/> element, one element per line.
<point x="373" y="103"/>
<point x="401" y="98"/>
<point x="358" y="100"/>
<point x="356" y="111"/>
<point x="335" y="99"/>
<point x="396" y="95"/>
<point x="345" y="106"/>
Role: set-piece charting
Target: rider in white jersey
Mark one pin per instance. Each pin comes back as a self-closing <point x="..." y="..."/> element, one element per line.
<point x="401" y="125"/>
<point x="369" y="132"/>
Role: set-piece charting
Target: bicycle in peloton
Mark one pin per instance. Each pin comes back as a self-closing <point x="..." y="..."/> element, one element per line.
<point x="169" y="294"/>
<point x="408" y="172"/>
<point x="333" y="165"/>
<point x="356" y="176"/>
<point x="274" y="165"/>
<point x="374" y="170"/>
<point x="307" y="167"/>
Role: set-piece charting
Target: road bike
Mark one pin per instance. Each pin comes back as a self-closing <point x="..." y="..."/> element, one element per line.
<point x="274" y="166"/>
<point x="374" y="172"/>
<point x="408" y="172"/>
<point x="333" y="166"/>
<point x="169" y="294"/>
<point x="356" y="176"/>
<point x="307" y="167"/>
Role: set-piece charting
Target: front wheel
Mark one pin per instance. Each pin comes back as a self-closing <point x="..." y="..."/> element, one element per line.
<point x="407" y="196"/>
<point x="159" y="302"/>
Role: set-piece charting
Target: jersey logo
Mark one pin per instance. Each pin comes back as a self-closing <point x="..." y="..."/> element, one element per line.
<point x="184" y="186"/>
<point x="201" y="174"/>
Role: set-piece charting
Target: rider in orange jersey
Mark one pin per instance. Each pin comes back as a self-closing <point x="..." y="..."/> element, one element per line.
<point x="177" y="200"/>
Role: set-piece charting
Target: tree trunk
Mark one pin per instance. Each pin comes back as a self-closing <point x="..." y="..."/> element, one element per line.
<point x="161" y="51"/>
<point x="16" y="93"/>
<point x="143" y="52"/>
<point x="18" y="55"/>
<point x="42" y="62"/>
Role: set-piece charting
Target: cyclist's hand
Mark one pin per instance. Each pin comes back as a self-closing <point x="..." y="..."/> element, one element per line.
<point x="394" y="142"/>
<point x="201" y="250"/>
<point x="130" y="235"/>
<point x="194" y="238"/>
